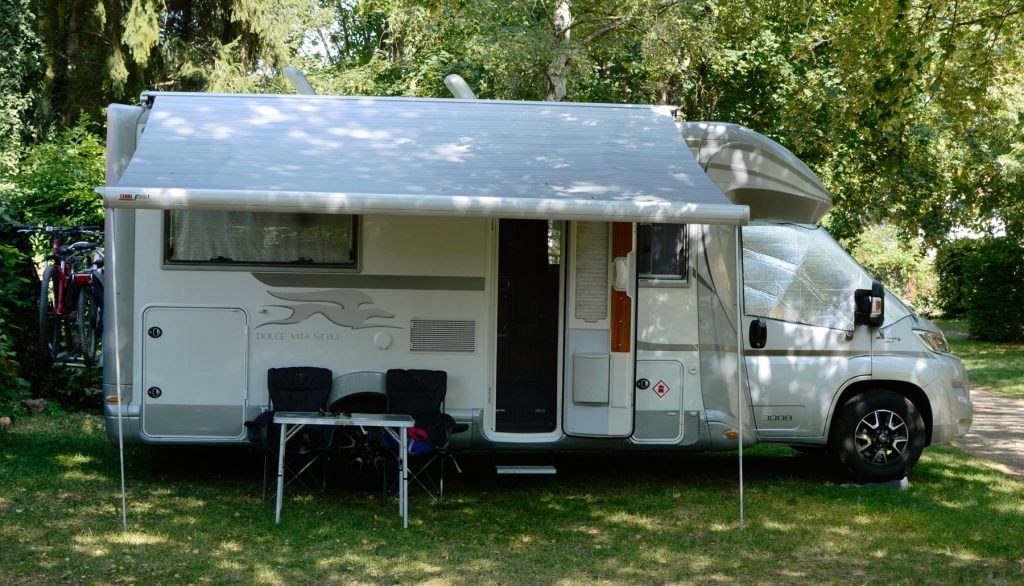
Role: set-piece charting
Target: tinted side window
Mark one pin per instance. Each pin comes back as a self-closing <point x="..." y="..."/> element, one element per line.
<point x="662" y="251"/>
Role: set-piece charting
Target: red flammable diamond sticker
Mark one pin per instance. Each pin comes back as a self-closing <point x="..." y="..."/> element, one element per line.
<point x="661" y="389"/>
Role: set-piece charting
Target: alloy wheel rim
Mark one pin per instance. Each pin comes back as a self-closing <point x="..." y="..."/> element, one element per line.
<point x="881" y="437"/>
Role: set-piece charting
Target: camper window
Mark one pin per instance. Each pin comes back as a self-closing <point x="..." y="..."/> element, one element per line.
<point x="662" y="252"/>
<point x="258" y="238"/>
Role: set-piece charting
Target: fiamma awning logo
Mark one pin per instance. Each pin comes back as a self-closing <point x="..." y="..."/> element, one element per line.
<point x="341" y="307"/>
<point x="132" y="196"/>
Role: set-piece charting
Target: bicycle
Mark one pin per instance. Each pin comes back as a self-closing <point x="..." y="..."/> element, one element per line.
<point x="89" y="314"/>
<point x="65" y="326"/>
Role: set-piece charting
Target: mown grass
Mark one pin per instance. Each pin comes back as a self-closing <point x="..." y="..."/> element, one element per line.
<point x="195" y="517"/>
<point x="999" y="367"/>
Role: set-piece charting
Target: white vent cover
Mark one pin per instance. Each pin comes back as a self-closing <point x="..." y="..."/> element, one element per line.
<point x="442" y="335"/>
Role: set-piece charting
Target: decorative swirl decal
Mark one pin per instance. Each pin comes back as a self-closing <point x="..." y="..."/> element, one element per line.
<point x="342" y="307"/>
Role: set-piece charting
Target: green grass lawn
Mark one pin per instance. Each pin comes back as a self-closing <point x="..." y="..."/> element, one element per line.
<point x="998" y="367"/>
<point x="195" y="517"/>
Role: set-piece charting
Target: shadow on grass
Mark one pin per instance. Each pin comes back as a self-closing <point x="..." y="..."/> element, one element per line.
<point x="195" y="515"/>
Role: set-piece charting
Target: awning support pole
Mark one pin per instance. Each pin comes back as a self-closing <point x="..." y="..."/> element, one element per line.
<point x="112" y="260"/>
<point x="740" y="406"/>
<point x="120" y="449"/>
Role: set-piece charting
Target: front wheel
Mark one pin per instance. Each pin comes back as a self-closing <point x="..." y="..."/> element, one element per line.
<point x="88" y="325"/>
<point x="877" y="436"/>
<point x="49" y="320"/>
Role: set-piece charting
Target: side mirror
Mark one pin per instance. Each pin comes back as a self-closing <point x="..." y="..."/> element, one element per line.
<point x="869" y="305"/>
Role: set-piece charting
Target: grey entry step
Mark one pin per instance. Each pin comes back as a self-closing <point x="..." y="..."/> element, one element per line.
<point x="525" y="469"/>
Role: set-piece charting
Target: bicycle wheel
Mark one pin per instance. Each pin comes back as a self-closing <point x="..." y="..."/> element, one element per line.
<point x="87" y="323"/>
<point x="49" y="321"/>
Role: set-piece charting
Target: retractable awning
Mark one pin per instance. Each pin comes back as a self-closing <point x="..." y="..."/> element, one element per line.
<point x="326" y="154"/>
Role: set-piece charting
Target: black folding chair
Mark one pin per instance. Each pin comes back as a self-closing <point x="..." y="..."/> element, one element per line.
<point x="298" y="388"/>
<point x="420" y="394"/>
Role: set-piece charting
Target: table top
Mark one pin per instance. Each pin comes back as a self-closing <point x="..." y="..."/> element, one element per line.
<point x="365" y="419"/>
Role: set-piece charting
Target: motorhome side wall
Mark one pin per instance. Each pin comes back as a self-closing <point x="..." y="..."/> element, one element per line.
<point x="419" y="278"/>
<point x="123" y="124"/>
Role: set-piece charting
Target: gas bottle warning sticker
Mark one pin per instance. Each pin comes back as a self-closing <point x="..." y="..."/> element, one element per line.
<point x="661" y="389"/>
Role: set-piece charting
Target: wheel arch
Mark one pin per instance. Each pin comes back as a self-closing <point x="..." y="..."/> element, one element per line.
<point x="912" y="392"/>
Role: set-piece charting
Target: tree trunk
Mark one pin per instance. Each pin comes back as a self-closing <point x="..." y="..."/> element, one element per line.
<point x="558" y="69"/>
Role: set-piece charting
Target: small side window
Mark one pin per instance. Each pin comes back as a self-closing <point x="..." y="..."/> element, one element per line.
<point x="662" y="252"/>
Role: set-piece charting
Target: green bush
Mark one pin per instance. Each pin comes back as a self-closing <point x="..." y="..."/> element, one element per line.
<point x="898" y="264"/>
<point x="983" y="280"/>
<point x="950" y="265"/>
<point x="55" y="181"/>
<point x="13" y="288"/>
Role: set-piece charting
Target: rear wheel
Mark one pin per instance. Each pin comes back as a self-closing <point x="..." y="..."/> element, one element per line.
<point x="49" y="320"/>
<point x="87" y="324"/>
<point x="878" y="436"/>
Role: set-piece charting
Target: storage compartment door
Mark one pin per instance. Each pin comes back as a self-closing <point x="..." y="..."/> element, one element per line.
<point x="194" y="372"/>
<point x="659" y="401"/>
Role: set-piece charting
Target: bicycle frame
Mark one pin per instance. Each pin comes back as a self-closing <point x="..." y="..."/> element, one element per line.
<point x="67" y="284"/>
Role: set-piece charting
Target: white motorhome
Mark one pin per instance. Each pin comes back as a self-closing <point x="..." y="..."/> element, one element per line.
<point x="576" y="269"/>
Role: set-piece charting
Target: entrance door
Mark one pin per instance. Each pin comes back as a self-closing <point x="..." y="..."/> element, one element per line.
<point x="529" y="278"/>
<point x="193" y="372"/>
<point x="600" y="330"/>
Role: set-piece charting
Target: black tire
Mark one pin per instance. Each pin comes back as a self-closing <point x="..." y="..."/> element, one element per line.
<point x="877" y="436"/>
<point x="87" y="323"/>
<point x="49" y="321"/>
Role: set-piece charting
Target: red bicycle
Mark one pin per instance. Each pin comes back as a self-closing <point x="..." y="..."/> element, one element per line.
<point x="70" y="295"/>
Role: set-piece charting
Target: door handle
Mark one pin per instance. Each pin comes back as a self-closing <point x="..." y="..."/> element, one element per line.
<point x="758" y="333"/>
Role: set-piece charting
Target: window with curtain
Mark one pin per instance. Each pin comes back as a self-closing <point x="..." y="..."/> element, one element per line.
<point x="261" y="238"/>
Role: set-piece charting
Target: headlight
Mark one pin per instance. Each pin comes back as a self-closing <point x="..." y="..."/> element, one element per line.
<point x="934" y="341"/>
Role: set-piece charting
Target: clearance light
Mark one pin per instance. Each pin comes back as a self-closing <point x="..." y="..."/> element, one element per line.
<point x="732" y="434"/>
<point x="112" y="399"/>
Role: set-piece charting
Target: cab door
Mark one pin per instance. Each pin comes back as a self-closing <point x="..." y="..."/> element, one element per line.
<point x="600" y="330"/>
<point x="801" y="345"/>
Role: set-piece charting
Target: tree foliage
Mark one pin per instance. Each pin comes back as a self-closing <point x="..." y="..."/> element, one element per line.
<point x="21" y="71"/>
<point x="111" y="50"/>
<point x="897" y="263"/>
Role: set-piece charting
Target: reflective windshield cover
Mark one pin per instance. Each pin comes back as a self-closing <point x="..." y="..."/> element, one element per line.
<point x="799" y="274"/>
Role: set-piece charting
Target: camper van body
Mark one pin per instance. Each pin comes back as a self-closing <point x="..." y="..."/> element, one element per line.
<point x="559" y="328"/>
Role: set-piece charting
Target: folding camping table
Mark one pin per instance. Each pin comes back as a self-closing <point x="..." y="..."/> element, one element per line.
<point x="395" y="425"/>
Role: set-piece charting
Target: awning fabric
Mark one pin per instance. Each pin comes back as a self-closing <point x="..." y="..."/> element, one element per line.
<point x="326" y="154"/>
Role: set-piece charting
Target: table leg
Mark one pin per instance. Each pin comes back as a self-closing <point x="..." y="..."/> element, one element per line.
<point x="403" y="501"/>
<point x="280" y="472"/>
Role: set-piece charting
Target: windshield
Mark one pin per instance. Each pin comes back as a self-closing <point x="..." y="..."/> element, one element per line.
<point x="798" y="273"/>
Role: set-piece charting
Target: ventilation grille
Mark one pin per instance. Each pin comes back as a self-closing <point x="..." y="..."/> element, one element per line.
<point x="591" y="271"/>
<point x="443" y="335"/>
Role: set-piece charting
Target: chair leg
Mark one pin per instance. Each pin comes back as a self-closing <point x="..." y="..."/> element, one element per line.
<point x="440" y="489"/>
<point x="266" y="475"/>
